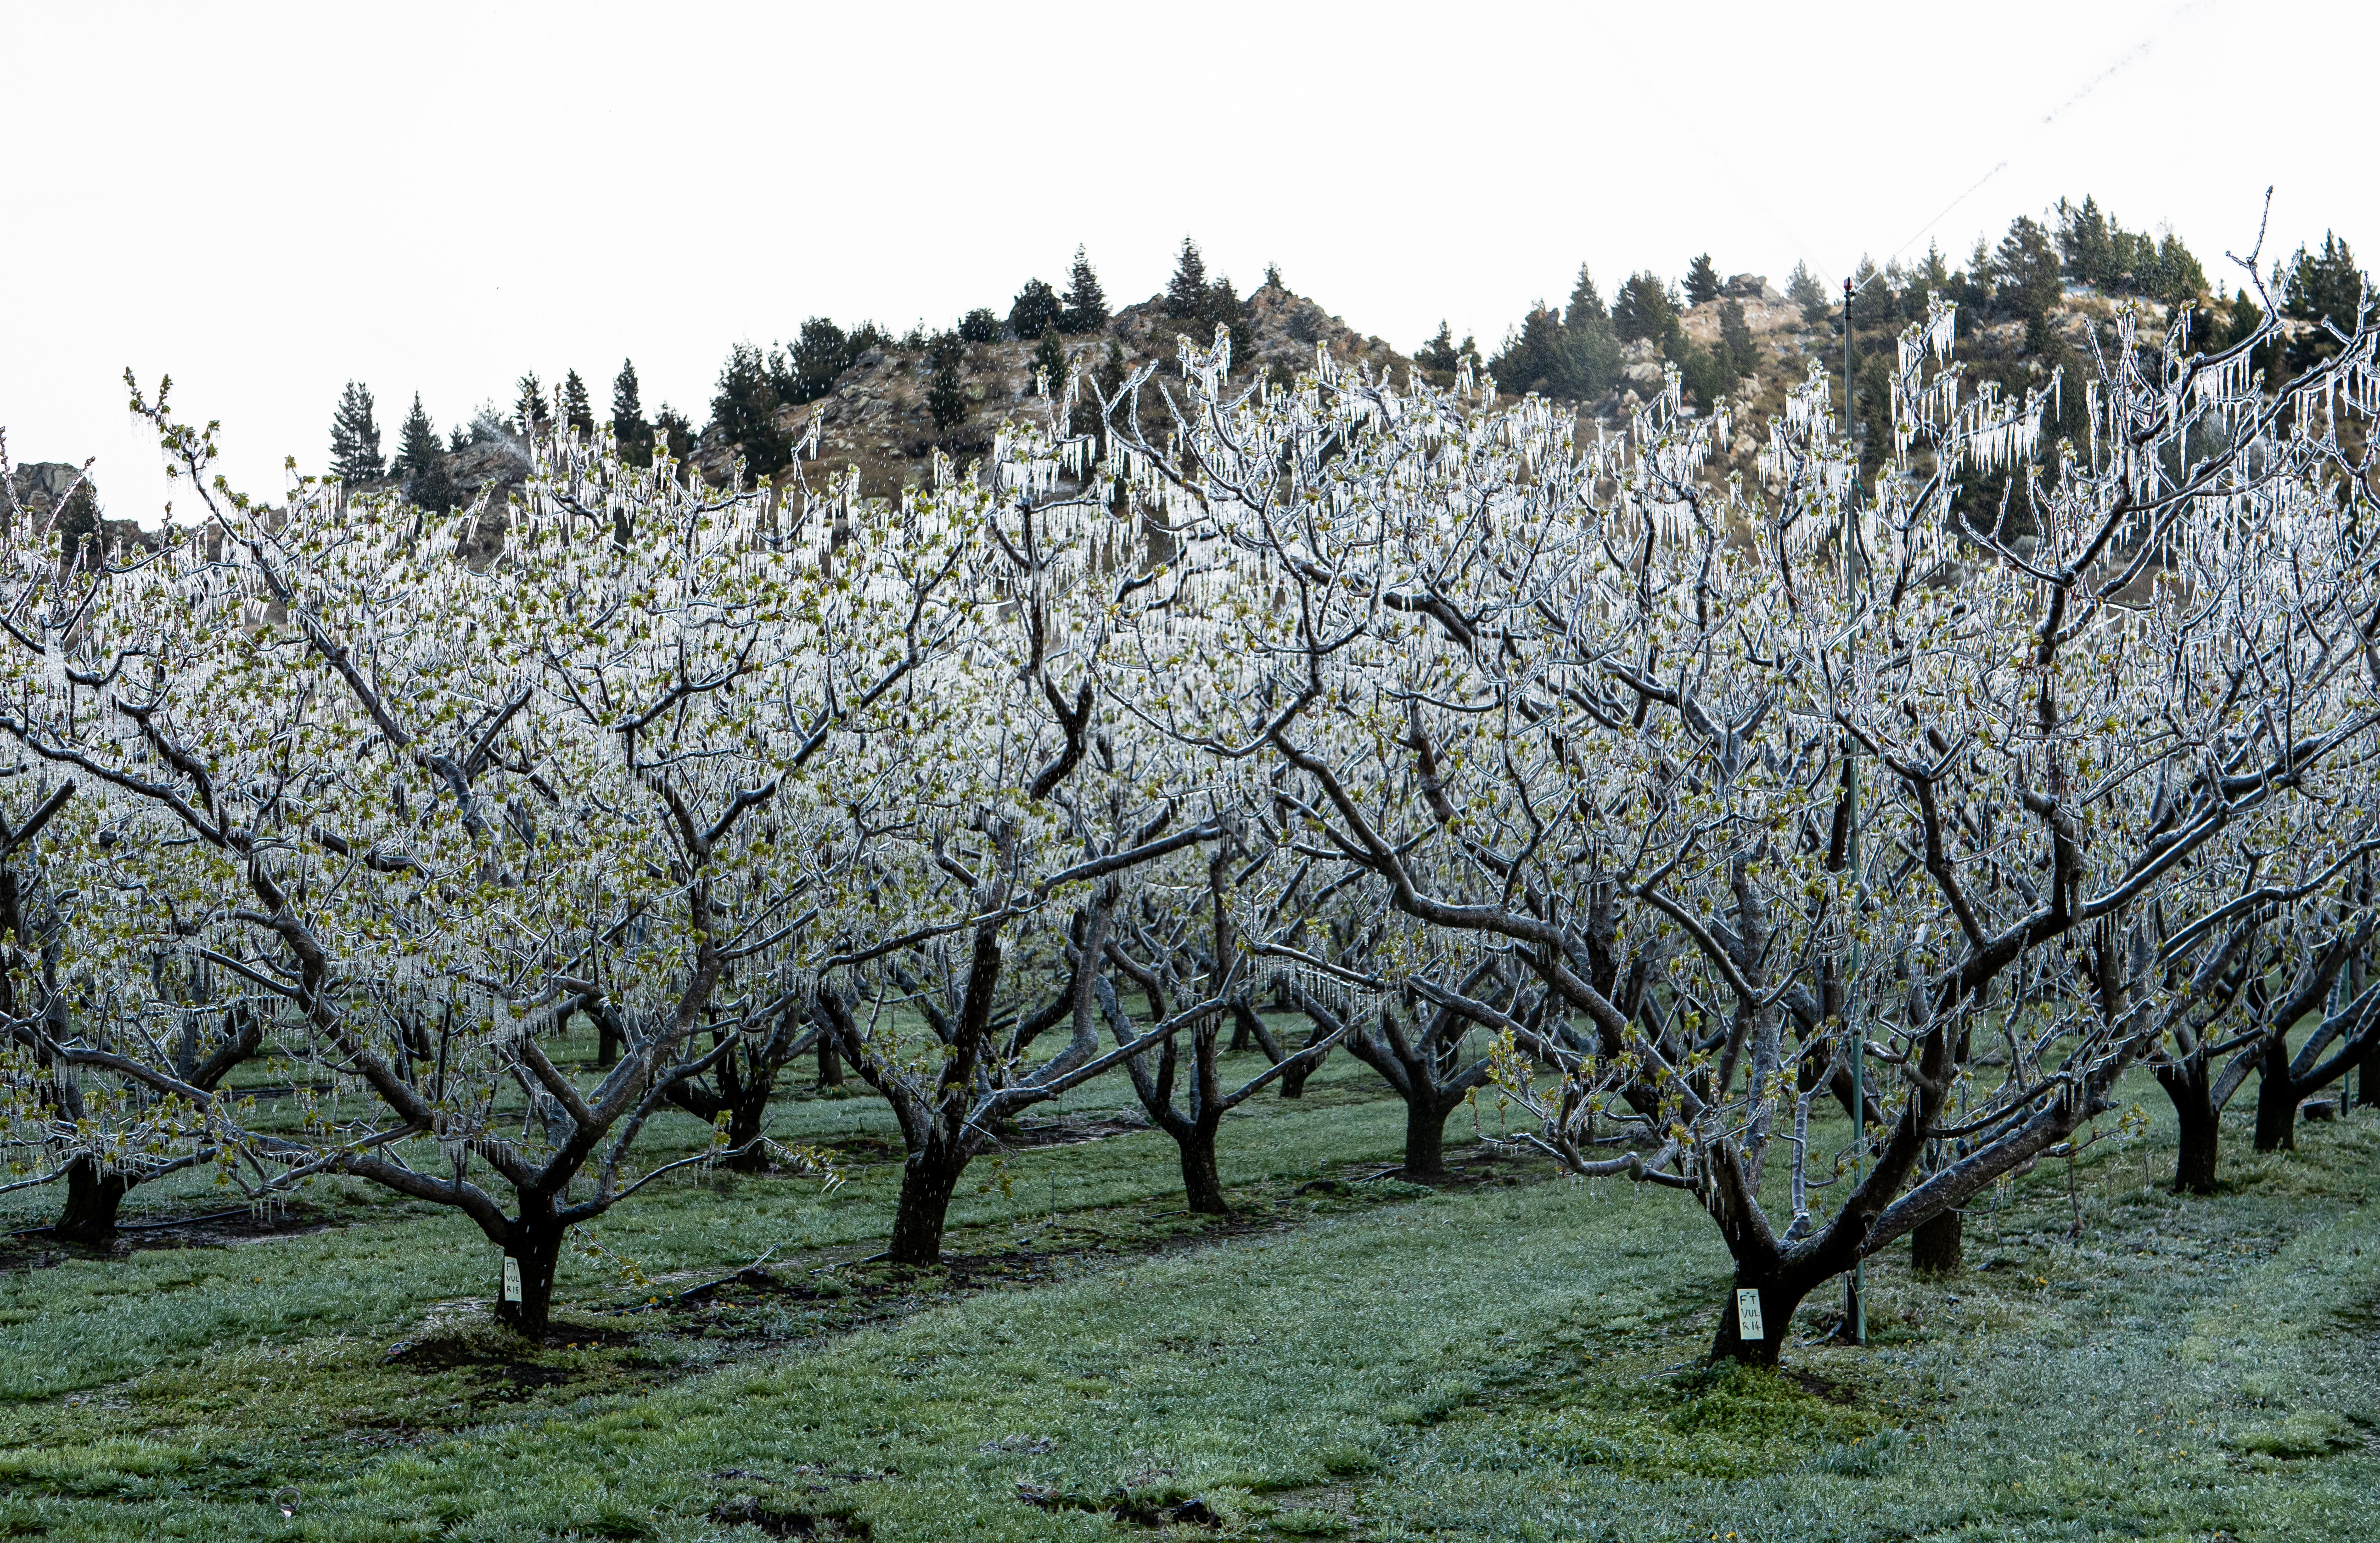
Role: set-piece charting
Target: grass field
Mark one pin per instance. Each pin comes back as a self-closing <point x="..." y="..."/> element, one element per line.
<point x="1513" y="1358"/>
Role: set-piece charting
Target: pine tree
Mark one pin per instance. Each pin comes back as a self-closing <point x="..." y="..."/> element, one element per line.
<point x="1737" y="350"/>
<point x="752" y="385"/>
<point x="1973" y="285"/>
<point x="1586" y="360"/>
<point x="2086" y="247"/>
<point x="1224" y="309"/>
<point x="417" y="442"/>
<point x="629" y="430"/>
<point x="980" y="325"/>
<point x="354" y="437"/>
<point x="1876" y="304"/>
<point x="2241" y="319"/>
<point x="1586" y="357"/>
<point x="531" y="413"/>
<point x="1185" y="293"/>
<point x="2175" y="278"/>
<point x="1086" y="303"/>
<point x="1439" y="352"/>
<point x="1934" y="277"/>
<point x="1802" y="288"/>
<point x="577" y="412"/>
<point x="1272" y="278"/>
<point x="1702" y="280"/>
<point x="945" y="397"/>
<point x="1035" y="311"/>
<point x="1644" y="308"/>
<point x="2024" y="270"/>
<point x="819" y="355"/>
<point x="2321" y="286"/>
<point x="1527" y="361"/>
<point x="421" y="462"/>
<point x="1050" y="360"/>
<point x="1585" y="304"/>
<point x="675" y="430"/>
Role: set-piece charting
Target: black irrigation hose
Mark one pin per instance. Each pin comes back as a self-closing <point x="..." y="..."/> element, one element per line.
<point x="145" y="1226"/>
<point x="185" y="1222"/>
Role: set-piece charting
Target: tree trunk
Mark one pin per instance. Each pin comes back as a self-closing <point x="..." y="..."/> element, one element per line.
<point x="1934" y="1244"/>
<point x="1425" y="1138"/>
<point x="2367" y="1097"/>
<point x="745" y="1115"/>
<point x="927" y="1180"/>
<point x="1779" y="1297"/>
<point x="1293" y="1082"/>
<point x="2276" y="1100"/>
<point x="1199" y="1180"/>
<point x="607" y="1040"/>
<point x="536" y="1247"/>
<point x="93" y="1197"/>
<point x="830" y="1063"/>
<point x="2197" y="1126"/>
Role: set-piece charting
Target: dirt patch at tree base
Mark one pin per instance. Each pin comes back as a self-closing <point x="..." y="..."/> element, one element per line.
<point x="37" y="1248"/>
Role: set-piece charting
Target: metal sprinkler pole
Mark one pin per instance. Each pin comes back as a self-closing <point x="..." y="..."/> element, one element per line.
<point x="1855" y="1287"/>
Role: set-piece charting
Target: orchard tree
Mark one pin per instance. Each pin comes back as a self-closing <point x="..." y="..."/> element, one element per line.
<point x="415" y="817"/>
<point x="1873" y="790"/>
<point x="986" y="854"/>
<point x="1154" y="947"/>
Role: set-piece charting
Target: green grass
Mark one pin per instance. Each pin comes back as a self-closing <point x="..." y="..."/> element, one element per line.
<point x="1506" y="1360"/>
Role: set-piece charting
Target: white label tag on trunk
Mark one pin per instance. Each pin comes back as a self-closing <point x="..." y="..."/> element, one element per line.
<point x="513" y="1291"/>
<point x="1748" y="1314"/>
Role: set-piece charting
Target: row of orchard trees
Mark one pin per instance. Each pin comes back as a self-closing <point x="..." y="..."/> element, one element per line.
<point x="1694" y="793"/>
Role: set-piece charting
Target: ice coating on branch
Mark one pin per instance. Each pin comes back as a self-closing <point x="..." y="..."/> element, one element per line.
<point x="848" y="727"/>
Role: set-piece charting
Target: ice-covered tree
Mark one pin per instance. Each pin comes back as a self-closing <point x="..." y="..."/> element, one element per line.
<point x="1878" y="789"/>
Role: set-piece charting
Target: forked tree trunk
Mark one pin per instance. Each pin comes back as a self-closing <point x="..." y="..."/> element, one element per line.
<point x="747" y="1112"/>
<point x="1934" y="1244"/>
<point x="2197" y="1124"/>
<point x="536" y="1247"/>
<point x="830" y="1065"/>
<point x="2277" y="1099"/>
<point x="1780" y="1295"/>
<point x="928" y="1180"/>
<point x="1425" y="1137"/>
<point x="1200" y="1180"/>
<point x="1293" y="1082"/>
<point x="93" y="1198"/>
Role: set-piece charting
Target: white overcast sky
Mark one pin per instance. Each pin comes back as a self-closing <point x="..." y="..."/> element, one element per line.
<point x="267" y="201"/>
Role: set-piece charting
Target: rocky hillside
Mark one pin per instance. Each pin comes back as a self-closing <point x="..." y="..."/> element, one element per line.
<point x="55" y="491"/>
<point x="877" y="418"/>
